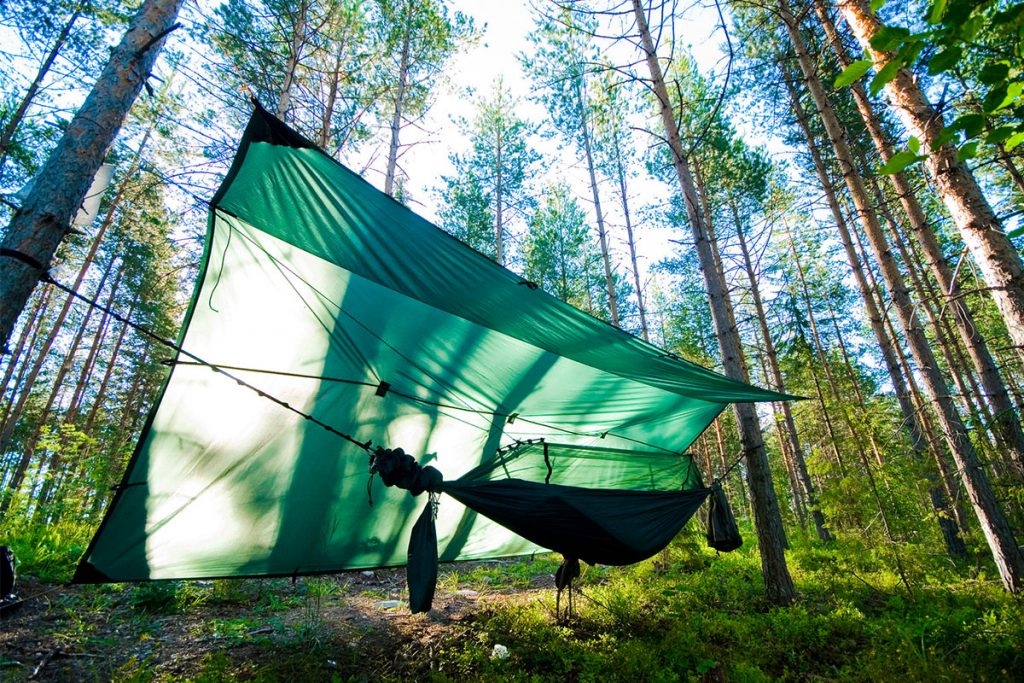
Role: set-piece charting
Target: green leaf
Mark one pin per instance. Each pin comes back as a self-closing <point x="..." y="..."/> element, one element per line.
<point x="914" y="145"/>
<point x="1013" y="141"/>
<point x="968" y="151"/>
<point x="886" y="74"/>
<point x="1016" y="232"/>
<point x="877" y="5"/>
<point x="935" y="12"/>
<point x="994" y="99"/>
<point x="945" y="136"/>
<point x="899" y="161"/>
<point x="1008" y="16"/>
<point x="852" y="72"/>
<point x="970" y="124"/>
<point x="888" y="38"/>
<point x="957" y="12"/>
<point x="999" y="134"/>
<point x="993" y="73"/>
<point x="945" y="60"/>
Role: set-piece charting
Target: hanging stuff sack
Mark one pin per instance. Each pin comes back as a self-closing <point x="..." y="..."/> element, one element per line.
<point x="6" y="577"/>
<point x="723" y="534"/>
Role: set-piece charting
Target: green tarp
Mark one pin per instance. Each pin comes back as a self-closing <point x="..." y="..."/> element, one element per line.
<point x="327" y="294"/>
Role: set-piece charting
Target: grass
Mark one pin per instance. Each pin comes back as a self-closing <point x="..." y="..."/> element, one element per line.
<point x="688" y="615"/>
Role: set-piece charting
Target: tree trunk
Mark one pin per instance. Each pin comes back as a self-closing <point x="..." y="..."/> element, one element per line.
<point x="602" y="234"/>
<point x="13" y="123"/>
<point x="499" y="221"/>
<point x="980" y="229"/>
<point x="45" y="216"/>
<point x="994" y="524"/>
<point x="799" y="464"/>
<point x="887" y="347"/>
<point x="767" y="520"/>
<point x="1006" y="424"/>
<point x="620" y="168"/>
<point x="292" y="65"/>
<point x="396" y="119"/>
<point x="26" y="340"/>
<point x="29" y="449"/>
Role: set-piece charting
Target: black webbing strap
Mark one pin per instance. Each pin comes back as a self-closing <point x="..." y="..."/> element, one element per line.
<point x="22" y="257"/>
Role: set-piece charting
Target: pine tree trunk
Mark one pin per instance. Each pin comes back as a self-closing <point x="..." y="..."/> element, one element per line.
<point x="767" y="520"/>
<point x="112" y="362"/>
<point x="396" y="119"/>
<point x="1006" y="423"/>
<point x="980" y="229"/>
<point x="499" y="219"/>
<point x="332" y="99"/>
<point x="29" y="331"/>
<point x="29" y="449"/>
<point x="994" y="524"/>
<point x="602" y="234"/>
<point x="292" y="65"/>
<point x="13" y="123"/>
<point x="887" y="347"/>
<point x="630" y="241"/>
<point x="45" y="216"/>
<point x="799" y="464"/>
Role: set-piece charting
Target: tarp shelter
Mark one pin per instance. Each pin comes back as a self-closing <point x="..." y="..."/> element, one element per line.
<point x="337" y="300"/>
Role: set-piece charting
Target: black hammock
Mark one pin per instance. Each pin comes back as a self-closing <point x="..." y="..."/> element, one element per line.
<point x="598" y="526"/>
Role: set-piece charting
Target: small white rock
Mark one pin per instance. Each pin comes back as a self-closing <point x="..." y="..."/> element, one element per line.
<point x="467" y="592"/>
<point x="389" y="604"/>
<point x="368" y="574"/>
<point x="499" y="652"/>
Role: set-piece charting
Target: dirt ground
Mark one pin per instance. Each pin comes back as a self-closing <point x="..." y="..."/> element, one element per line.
<point x="353" y="626"/>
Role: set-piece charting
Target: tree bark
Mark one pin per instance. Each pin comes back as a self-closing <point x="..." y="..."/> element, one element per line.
<point x="294" y="56"/>
<point x="995" y="526"/>
<point x="602" y="233"/>
<point x="979" y="227"/>
<point x="13" y="123"/>
<point x="1006" y="423"/>
<point x="620" y="169"/>
<point x="797" y="455"/>
<point x="396" y="119"/>
<point x="887" y="347"/>
<point x="767" y="519"/>
<point x="45" y="216"/>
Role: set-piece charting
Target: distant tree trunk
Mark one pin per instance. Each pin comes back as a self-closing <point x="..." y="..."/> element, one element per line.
<point x="294" y="56"/>
<point x="57" y="457"/>
<point x="13" y="123"/>
<point x="767" y="520"/>
<point x="994" y="524"/>
<point x="980" y="229"/>
<point x="799" y="464"/>
<point x="29" y="331"/>
<point x="29" y="449"/>
<point x="1006" y="424"/>
<point x="620" y="169"/>
<point x="45" y="216"/>
<point x="101" y="392"/>
<point x="602" y="234"/>
<point x="332" y="99"/>
<point x="887" y="347"/>
<point x="396" y="118"/>
<point x="499" y="200"/>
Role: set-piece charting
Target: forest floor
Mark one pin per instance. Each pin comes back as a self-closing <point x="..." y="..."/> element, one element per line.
<point x="686" y="615"/>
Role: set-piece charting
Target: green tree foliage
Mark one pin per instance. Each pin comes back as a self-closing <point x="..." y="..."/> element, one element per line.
<point x="493" y="174"/>
<point x="556" y="248"/>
